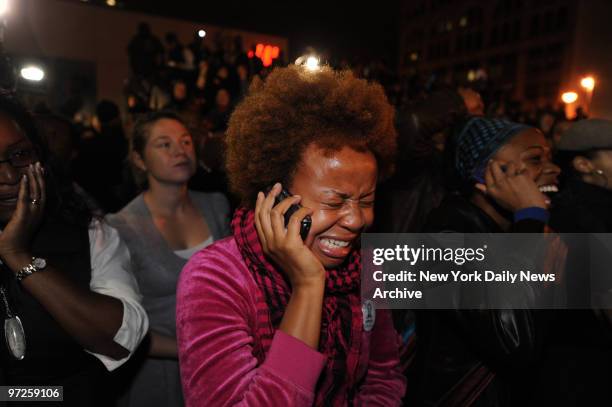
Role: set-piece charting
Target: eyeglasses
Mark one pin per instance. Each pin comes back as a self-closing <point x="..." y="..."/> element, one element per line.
<point x="21" y="158"/>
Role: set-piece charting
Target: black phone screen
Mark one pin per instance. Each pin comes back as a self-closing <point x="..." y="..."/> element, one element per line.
<point x="306" y="222"/>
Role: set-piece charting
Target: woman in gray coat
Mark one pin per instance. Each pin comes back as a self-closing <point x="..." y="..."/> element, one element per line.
<point x="163" y="227"/>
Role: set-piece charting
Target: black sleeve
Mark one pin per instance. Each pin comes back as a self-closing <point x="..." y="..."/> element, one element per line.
<point x="528" y="226"/>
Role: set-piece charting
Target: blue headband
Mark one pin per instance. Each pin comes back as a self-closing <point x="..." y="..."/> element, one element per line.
<point x="478" y="141"/>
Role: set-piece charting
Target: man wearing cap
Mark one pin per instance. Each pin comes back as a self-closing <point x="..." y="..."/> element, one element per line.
<point x="585" y="155"/>
<point x="580" y="352"/>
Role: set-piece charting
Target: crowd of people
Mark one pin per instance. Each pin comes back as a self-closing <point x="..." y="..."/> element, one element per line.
<point x="203" y="249"/>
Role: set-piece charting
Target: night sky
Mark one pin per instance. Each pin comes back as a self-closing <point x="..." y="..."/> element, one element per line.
<point x="357" y="29"/>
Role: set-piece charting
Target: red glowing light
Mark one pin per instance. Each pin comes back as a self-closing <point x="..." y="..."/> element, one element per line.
<point x="267" y="53"/>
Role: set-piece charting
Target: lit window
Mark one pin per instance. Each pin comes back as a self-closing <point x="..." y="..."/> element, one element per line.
<point x="463" y="22"/>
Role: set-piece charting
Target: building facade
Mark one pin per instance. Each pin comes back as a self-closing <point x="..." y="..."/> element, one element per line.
<point x="528" y="51"/>
<point x="86" y="43"/>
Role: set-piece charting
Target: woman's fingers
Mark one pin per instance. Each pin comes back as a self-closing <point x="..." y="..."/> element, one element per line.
<point x="489" y="180"/>
<point x="23" y="198"/>
<point x="277" y="215"/>
<point x="498" y="174"/>
<point x="258" y="202"/>
<point x="500" y="188"/>
<point x="32" y="183"/>
<point x="511" y="187"/>
<point x="511" y="175"/>
<point x="36" y="193"/>
<point x="42" y="186"/>
<point x="260" y="234"/>
<point x="263" y="216"/>
<point x="266" y="207"/>
<point x="295" y="222"/>
<point x="511" y="170"/>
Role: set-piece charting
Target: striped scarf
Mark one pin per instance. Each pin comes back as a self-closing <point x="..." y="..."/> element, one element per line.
<point x="341" y="325"/>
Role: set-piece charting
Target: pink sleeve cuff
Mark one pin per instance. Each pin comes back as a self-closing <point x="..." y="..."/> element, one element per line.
<point x="295" y="361"/>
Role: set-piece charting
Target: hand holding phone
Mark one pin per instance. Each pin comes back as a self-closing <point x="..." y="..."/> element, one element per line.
<point x="282" y="241"/>
<point x="304" y="224"/>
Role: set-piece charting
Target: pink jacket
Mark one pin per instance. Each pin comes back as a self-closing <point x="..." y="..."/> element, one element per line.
<point x="217" y="316"/>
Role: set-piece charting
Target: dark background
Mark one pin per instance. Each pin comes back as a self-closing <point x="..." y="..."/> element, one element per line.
<point x="352" y="30"/>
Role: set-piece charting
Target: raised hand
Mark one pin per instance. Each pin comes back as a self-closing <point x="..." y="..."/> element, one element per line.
<point x="284" y="244"/>
<point x="17" y="236"/>
<point x="512" y="189"/>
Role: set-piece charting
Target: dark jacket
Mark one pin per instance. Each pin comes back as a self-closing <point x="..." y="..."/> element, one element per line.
<point x="52" y="356"/>
<point x="582" y="208"/>
<point x="579" y="352"/>
<point x="474" y="357"/>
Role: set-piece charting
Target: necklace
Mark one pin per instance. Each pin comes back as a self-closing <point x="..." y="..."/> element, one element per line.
<point x="13" y="330"/>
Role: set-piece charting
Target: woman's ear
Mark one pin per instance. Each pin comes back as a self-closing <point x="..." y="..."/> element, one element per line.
<point x="583" y="165"/>
<point x="138" y="161"/>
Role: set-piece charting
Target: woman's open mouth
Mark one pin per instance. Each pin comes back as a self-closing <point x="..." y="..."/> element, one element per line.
<point x="335" y="247"/>
<point x="549" y="188"/>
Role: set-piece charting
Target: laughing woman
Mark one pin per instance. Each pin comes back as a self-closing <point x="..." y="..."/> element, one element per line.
<point x="486" y="357"/>
<point x="264" y="317"/>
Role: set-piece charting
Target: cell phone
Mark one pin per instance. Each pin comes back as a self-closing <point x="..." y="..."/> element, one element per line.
<point x="306" y="222"/>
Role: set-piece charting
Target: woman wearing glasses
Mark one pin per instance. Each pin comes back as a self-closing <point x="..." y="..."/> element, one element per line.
<point x="162" y="228"/>
<point x="70" y="308"/>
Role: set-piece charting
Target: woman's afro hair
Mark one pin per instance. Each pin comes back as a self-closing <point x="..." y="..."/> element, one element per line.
<point x="294" y="108"/>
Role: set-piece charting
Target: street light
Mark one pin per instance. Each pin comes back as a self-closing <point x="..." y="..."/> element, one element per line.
<point x="4" y="7"/>
<point x="32" y="73"/>
<point x="588" y="83"/>
<point x="309" y="62"/>
<point x="201" y="33"/>
<point x="312" y="63"/>
<point x="569" y="97"/>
